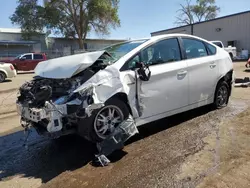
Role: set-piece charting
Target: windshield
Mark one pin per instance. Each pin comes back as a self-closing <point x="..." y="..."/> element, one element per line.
<point x="119" y="50"/>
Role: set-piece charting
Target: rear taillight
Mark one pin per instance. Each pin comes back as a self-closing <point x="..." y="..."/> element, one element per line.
<point x="11" y="67"/>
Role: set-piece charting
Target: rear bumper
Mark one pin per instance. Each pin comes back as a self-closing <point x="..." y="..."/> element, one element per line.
<point x="12" y="74"/>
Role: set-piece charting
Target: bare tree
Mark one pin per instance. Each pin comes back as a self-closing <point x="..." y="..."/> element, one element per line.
<point x="185" y="16"/>
<point x="193" y="13"/>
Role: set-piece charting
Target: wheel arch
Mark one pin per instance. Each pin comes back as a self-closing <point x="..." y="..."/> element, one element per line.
<point x="5" y="73"/>
<point x="227" y="78"/>
<point x="123" y="97"/>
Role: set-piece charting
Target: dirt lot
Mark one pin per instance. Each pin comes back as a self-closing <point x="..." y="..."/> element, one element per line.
<point x="200" y="148"/>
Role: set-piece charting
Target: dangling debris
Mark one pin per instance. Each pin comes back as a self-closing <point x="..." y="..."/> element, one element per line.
<point x="115" y="141"/>
<point x="239" y="82"/>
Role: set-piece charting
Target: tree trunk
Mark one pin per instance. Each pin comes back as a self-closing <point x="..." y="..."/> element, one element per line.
<point x="81" y="44"/>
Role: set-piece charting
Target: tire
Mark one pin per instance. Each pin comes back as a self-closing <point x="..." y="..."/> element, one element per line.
<point x="222" y="94"/>
<point x="91" y="126"/>
<point x="2" y="77"/>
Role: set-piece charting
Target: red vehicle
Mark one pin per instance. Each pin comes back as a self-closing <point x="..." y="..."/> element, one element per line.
<point x="27" y="62"/>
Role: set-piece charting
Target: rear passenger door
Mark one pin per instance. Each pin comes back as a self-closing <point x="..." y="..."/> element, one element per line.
<point x="167" y="88"/>
<point x="202" y="69"/>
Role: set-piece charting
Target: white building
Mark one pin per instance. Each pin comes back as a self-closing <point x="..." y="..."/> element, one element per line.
<point x="232" y="30"/>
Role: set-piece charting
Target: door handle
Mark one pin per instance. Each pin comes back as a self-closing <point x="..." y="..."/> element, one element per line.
<point x="181" y="73"/>
<point x="212" y="65"/>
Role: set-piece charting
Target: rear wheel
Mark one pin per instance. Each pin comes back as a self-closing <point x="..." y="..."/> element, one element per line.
<point x="103" y="121"/>
<point x="2" y="77"/>
<point x="222" y="94"/>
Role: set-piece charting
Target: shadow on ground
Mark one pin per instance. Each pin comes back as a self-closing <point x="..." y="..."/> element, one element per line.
<point x="46" y="159"/>
<point x="7" y="80"/>
<point x="247" y="70"/>
<point x="28" y="72"/>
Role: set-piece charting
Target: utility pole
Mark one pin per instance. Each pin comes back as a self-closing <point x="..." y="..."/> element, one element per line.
<point x="192" y="29"/>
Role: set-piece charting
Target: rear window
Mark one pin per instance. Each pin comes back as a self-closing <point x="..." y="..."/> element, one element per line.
<point x="38" y="56"/>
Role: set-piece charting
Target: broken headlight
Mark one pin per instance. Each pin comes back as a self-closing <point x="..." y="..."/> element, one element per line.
<point x="87" y="95"/>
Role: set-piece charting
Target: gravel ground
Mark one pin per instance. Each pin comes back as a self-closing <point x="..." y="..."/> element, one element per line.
<point x="200" y="148"/>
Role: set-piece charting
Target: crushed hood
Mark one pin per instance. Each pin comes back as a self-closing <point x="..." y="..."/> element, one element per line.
<point x="68" y="66"/>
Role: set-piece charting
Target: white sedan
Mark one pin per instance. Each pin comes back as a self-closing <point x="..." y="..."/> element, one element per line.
<point x="7" y="70"/>
<point x="93" y="93"/>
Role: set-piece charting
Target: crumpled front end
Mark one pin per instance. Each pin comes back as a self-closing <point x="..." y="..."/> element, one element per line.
<point x="51" y="106"/>
<point x="59" y="106"/>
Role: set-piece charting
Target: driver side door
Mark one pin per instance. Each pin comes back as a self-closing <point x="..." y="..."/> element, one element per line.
<point x="167" y="88"/>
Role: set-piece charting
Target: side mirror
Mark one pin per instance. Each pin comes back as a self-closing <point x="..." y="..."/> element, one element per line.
<point x="22" y="58"/>
<point x="143" y="71"/>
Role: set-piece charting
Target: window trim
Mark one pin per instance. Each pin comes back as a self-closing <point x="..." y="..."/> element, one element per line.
<point x="182" y="55"/>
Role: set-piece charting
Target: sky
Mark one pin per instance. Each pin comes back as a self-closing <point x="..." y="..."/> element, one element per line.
<point x="139" y="17"/>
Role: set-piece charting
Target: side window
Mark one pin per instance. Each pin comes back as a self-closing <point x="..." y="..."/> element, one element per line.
<point x="38" y="56"/>
<point x="162" y="52"/>
<point x="194" y="48"/>
<point x="28" y="56"/>
<point x="211" y="49"/>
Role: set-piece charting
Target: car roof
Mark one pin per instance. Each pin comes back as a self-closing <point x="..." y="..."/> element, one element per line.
<point x="154" y="38"/>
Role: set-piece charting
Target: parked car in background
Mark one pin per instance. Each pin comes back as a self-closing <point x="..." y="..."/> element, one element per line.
<point x="231" y="50"/>
<point x="92" y="93"/>
<point x="27" y="62"/>
<point x="7" y="70"/>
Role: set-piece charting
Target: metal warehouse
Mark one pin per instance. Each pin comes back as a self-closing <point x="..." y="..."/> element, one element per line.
<point x="232" y="30"/>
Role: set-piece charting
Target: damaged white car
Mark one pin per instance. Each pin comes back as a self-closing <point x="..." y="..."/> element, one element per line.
<point x="90" y="94"/>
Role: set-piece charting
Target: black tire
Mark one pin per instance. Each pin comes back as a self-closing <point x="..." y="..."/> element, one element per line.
<point x="222" y="94"/>
<point x="86" y="127"/>
<point x="2" y="77"/>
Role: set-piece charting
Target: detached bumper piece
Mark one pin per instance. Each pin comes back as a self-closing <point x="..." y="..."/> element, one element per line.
<point x="242" y="82"/>
<point x="115" y="141"/>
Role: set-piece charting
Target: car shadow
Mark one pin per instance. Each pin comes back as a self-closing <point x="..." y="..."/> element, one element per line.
<point x="247" y="70"/>
<point x="6" y="81"/>
<point x="29" y="72"/>
<point x="45" y="158"/>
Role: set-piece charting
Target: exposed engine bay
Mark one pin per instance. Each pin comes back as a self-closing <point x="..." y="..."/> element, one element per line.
<point x="51" y="105"/>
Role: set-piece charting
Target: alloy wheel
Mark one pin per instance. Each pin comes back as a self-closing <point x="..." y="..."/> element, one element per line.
<point x="107" y="119"/>
<point x="222" y="96"/>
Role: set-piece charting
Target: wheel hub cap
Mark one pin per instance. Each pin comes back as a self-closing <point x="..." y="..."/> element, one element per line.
<point x="107" y="120"/>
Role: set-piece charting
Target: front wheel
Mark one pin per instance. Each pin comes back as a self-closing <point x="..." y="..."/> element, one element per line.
<point x="221" y="95"/>
<point x="104" y="120"/>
